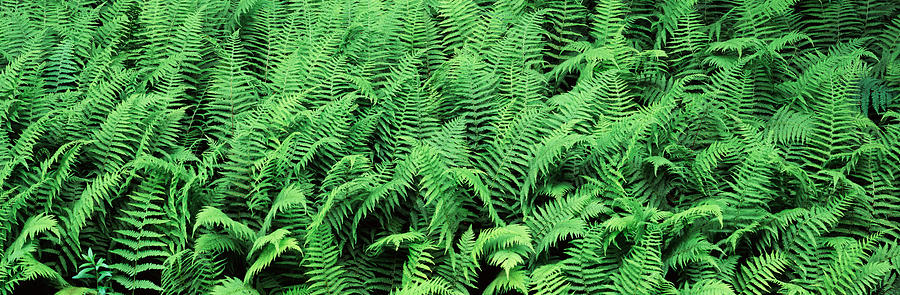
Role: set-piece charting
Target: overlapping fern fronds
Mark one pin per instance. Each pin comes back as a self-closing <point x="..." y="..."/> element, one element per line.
<point x="450" y="147"/>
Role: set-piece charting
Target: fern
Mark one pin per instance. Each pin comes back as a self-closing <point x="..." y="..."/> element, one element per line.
<point x="141" y="237"/>
<point x="449" y="147"/>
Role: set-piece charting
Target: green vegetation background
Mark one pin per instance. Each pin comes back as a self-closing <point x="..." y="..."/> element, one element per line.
<point x="704" y="147"/>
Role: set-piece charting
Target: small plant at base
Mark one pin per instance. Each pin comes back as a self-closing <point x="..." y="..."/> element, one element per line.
<point x="95" y="269"/>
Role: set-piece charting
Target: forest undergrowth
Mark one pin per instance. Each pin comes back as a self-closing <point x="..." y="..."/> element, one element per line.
<point x="702" y="147"/>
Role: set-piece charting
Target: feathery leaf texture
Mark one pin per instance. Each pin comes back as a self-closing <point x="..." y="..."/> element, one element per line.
<point x="550" y="147"/>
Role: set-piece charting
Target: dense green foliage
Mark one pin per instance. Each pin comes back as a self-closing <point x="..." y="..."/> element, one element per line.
<point x="450" y="147"/>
